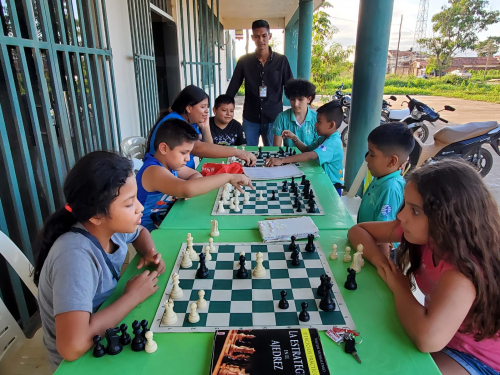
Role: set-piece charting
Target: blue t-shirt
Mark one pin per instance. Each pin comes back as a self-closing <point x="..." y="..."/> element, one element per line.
<point x="156" y="204"/>
<point x="330" y="156"/>
<point x="172" y="115"/>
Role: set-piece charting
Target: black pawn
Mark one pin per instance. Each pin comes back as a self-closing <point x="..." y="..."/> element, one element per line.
<point x="295" y="257"/>
<point x="98" y="348"/>
<point x="292" y="245"/>
<point x="294" y="152"/>
<point x="281" y="151"/>
<point x="321" y="288"/>
<point x="114" y="345"/>
<point x="268" y="155"/>
<point x="304" y="315"/>
<point x="284" y="189"/>
<point x="303" y="180"/>
<point x="138" y="343"/>
<point x="296" y="203"/>
<point x="327" y="303"/>
<point x="306" y="192"/>
<point x="286" y="150"/>
<point x="310" y="247"/>
<point x="311" y="194"/>
<point x="125" y="337"/>
<point x="312" y="208"/>
<point x="242" y="272"/>
<point x="350" y="283"/>
<point x="283" y="303"/>
<point x="299" y="208"/>
<point x="273" y="197"/>
<point x="203" y="271"/>
<point x="144" y="325"/>
<point x="292" y="184"/>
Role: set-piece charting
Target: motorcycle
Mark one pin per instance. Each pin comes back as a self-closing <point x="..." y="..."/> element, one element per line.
<point x="461" y="141"/>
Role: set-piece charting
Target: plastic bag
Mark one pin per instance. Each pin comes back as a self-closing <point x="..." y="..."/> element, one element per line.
<point x="210" y="169"/>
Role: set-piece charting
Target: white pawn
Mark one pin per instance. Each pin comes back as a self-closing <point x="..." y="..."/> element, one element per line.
<point x="208" y="256"/>
<point x="260" y="198"/>
<point x="259" y="270"/>
<point x="221" y="209"/>
<point x="236" y="193"/>
<point x="169" y="316"/>
<point x="334" y="254"/>
<point x="246" y="198"/>
<point x="231" y="203"/>
<point x="211" y="245"/>
<point x="223" y="162"/>
<point x="237" y="205"/>
<point x="347" y="256"/>
<point x="243" y="148"/>
<point x="189" y="237"/>
<point x="214" y="232"/>
<point x="202" y="302"/>
<point x="356" y="264"/>
<point x="186" y="260"/>
<point x="151" y="345"/>
<point x="359" y="250"/>
<point x="176" y="292"/>
<point x="194" y="317"/>
<point x="192" y="253"/>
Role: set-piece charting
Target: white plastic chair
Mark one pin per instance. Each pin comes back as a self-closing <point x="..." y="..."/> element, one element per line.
<point x="134" y="147"/>
<point x="11" y="335"/>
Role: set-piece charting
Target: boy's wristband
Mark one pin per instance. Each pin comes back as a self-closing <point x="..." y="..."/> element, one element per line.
<point x="295" y="140"/>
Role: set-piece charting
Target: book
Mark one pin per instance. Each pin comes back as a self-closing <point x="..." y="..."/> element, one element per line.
<point x="268" y="351"/>
<point x="284" y="228"/>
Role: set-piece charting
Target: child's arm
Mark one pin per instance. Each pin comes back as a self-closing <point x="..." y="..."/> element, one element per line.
<point x="146" y="248"/>
<point x="309" y="155"/>
<point x="205" y="131"/>
<point x="431" y="327"/>
<point x="186" y="173"/>
<point x="208" y="150"/>
<point x="157" y="178"/>
<point x="277" y="140"/>
<point x="296" y="141"/>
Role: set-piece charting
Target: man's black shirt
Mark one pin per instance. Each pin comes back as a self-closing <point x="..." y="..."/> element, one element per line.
<point x="275" y="73"/>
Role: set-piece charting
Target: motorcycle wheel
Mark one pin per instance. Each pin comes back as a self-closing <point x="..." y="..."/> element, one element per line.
<point x="423" y="133"/>
<point x="482" y="161"/>
<point x="344" y="135"/>
<point x="384" y="118"/>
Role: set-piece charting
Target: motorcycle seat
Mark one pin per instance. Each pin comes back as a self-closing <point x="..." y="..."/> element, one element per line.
<point x="399" y="114"/>
<point x="452" y="134"/>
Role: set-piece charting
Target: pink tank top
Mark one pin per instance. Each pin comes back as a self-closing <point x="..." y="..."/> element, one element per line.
<point x="427" y="277"/>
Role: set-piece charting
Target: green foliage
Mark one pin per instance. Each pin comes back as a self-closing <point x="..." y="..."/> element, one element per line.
<point x="488" y="47"/>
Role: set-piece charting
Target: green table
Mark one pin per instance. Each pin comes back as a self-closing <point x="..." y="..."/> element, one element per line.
<point x="196" y="213"/>
<point x="386" y="348"/>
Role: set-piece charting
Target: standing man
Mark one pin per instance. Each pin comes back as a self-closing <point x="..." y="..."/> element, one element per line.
<point x="265" y="73"/>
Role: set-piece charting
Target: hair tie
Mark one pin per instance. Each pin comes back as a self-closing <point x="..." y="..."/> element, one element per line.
<point x="68" y="208"/>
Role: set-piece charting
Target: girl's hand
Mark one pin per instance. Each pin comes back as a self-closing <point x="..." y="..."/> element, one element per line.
<point x="205" y="124"/>
<point x="248" y="157"/>
<point x="393" y="277"/>
<point x="287" y="134"/>
<point x="271" y="162"/>
<point x="239" y="180"/>
<point x="140" y="287"/>
<point x="152" y="257"/>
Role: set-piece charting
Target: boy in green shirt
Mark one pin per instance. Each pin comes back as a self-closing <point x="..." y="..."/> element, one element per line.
<point x="299" y="119"/>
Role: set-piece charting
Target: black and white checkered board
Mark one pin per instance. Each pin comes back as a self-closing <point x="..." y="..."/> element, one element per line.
<point x="283" y="205"/>
<point x="261" y="160"/>
<point x="234" y="303"/>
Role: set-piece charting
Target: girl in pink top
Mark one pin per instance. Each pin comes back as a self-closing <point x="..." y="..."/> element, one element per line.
<point x="449" y="228"/>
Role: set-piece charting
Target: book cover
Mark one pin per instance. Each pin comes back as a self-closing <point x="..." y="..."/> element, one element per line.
<point x="268" y="351"/>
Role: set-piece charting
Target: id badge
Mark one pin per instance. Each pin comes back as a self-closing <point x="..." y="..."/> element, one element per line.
<point x="262" y="91"/>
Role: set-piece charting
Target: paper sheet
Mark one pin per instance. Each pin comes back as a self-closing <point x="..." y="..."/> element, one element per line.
<point x="273" y="173"/>
<point x="284" y="229"/>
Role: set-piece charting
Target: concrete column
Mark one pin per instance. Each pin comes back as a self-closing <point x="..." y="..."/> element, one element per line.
<point x="291" y="42"/>
<point x="306" y="9"/>
<point x="372" y="43"/>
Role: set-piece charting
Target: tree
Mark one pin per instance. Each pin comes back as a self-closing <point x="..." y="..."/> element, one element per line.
<point x="456" y="27"/>
<point x="488" y="48"/>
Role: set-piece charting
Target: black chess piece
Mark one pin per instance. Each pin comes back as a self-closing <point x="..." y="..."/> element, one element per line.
<point x="202" y="272"/>
<point x="144" y="325"/>
<point x="125" y="337"/>
<point x="296" y="203"/>
<point x="295" y="257"/>
<point x="281" y="152"/>
<point x="98" y="348"/>
<point x="321" y="288"/>
<point x="310" y="201"/>
<point x="292" y="245"/>
<point x="293" y="184"/>
<point x="306" y="192"/>
<point x="294" y="152"/>
<point x="138" y="343"/>
<point x="242" y="272"/>
<point x="273" y="197"/>
<point x="283" y="303"/>
<point x="312" y="208"/>
<point x="299" y="208"/>
<point x="310" y="247"/>
<point x="327" y="303"/>
<point x="114" y="345"/>
<point x="268" y="155"/>
<point x="285" y="187"/>
<point x="311" y="194"/>
<point x="303" y="180"/>
<point x="304" y="315"/>
<point x="286" y="149"/>
<point x="350" y="283"/>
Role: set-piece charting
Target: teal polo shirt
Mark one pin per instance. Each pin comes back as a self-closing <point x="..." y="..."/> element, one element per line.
<point x="305" y="132"/>
<point x="382" y="199"/>
<point x="330" y="156"/>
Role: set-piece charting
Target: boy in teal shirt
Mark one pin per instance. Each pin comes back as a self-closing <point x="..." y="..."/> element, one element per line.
<point x="327" y="149"/>
<point x="299" y="119"/>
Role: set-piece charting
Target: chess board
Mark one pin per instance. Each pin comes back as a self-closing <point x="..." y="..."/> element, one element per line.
<point x="282" y="206"/>
<point x="261" y="160"/>
<point x="234" y="303"/>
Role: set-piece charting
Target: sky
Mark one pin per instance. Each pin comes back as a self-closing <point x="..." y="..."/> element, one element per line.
<point x="344" y="15"/>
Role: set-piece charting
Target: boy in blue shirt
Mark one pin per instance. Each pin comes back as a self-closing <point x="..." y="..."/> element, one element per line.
<point x="164" y="176"/>
<point x="327" y="149"/>
<point x="299" y="119"/>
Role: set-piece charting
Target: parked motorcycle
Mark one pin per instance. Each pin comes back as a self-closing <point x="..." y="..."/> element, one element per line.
<point x="461" y="141"/>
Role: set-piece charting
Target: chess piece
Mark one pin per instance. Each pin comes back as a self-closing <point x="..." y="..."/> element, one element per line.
<point x="299" y="206"/>
<point x="202" y="272"/>
<point x="292" y="245"/>
<point x="114" y="345"/>
<point x="202" y="302"/>
<point x="311" y="194"/>
<point x="186" y="260"/>
<point x="259" y="270"/>
<point x="296" y="203"/>
<point x="151" y="345"/>
<point x="292" y="184"/>
<point x="211" y="245"/>
<point x="194" y="317"/>
<point x="273" y="197"/>
<point x="325" y="280"/>
<point x="138" y="341"/>
<point x="327" y="303"/>
<point x="231" y="203"/>
<point x="304" y="315"/>
<point x="208" y="256"/>
<point x="246" y="198"/>
<point x="312" y="208"/>
<point x="260" y="198"/>
<point x="125" y="337"/>
<point x="98" y="348"/>
<point x="221" y="209"/>
<point x="176" y="292"/>
<point x="242" y="271"/>
<point x="169" y="316"/>
<point x="192" y="252"/>
<point x="144" y="326"/>
<point x="333" y="254"/>
<point x="310" y="247"/>
<point x="359" y="250"/>
<point x="284" y="189"/>
<point x="236" y="205"/>
<point x="356" y="263"/>
<point x="283" y="303"/>
<point x="306" y="191"/>
<point x="295" y="257"/>
<point x="303" y="180"/>
<point x="214" y="232"/>
<point x="350" y="283"/>
<point x="347" y="255"/>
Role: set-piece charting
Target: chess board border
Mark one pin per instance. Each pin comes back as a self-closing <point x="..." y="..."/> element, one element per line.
<point x="157" y="327"/>
<point x="265" y="182"/>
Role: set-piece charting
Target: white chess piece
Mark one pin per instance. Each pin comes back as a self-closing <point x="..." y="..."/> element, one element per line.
<point x="194" y="317"/>
<point x="211" y="245"/>
<point x="236" y="194"/>
<point x="176" y="292"/>
<point x="223" y="162"/>
<point x="359" y="250"/>
<point x="259" y="270"/>
<point x="356" y="263"/>
<point x="189" y="237"/>
<point x="231" y="203"/>
<point x="186" y="260"/>
<point x="243" y="148"/>
<point x="347" y="256"/>
<point x="221" y="209"/>
<point x="151" y="345"/>
<point x="169" y="316"/>
<point x="334" y="254"/>
<point x="260" y="198"/>
<point x="202" y="302"/>
<point x="208" y="256"/>
<point x="214" y="232"/>
<point x="237" y="205"/>
<point x="192" y="253"/>
<point x="246" y="198"/>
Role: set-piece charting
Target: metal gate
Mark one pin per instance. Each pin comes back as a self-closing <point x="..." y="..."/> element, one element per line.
<point x="57" y="103"/>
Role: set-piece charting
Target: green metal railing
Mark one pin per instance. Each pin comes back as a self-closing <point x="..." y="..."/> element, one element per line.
<point x="57" y="103"/>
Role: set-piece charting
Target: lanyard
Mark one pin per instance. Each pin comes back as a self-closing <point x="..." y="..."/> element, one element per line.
<point x="98" y="245"/>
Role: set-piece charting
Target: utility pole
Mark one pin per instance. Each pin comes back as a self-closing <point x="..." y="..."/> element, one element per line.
<point x="397" y="51"/>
